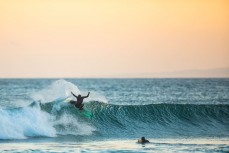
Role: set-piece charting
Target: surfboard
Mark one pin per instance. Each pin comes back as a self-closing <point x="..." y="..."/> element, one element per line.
<point x="84" y="112"/>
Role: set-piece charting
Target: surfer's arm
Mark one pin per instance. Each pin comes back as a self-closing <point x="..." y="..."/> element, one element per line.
<point x="87" y="95"/>
<point x="74" y="95"/>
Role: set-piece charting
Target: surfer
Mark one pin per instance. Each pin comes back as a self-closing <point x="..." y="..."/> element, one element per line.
<point x="78" y="103"/>
<point x="143" y="140"/>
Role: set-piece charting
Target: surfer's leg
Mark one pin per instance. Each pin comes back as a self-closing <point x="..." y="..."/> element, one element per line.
<point x="81" y="107"/>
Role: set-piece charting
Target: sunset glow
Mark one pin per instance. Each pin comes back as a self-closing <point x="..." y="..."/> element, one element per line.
<point x="83" y="38"/>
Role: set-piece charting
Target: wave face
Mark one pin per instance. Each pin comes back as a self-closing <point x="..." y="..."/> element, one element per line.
<point x="161" y="120"/>
<point x="51" y="116"/>
<point x="154" y="120"/>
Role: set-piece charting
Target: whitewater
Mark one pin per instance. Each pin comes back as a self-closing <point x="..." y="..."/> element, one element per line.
<point x="174" y="114"/>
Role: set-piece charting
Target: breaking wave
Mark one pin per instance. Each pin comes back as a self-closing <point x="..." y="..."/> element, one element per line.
<point x="51" y="116"/>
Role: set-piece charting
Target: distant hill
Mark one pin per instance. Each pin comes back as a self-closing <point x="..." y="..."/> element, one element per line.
<point x="210" y="73"/>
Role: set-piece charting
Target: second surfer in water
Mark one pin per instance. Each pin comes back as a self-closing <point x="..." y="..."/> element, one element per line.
<point x="78" y="103"/>
<point x="143" y="140"/>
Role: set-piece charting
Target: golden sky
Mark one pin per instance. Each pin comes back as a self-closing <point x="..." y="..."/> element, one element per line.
<point x="102" y="38"/>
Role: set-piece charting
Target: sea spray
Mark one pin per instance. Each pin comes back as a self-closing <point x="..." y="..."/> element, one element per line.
<point x="57" y="90"/>
<point x="60" y="90"/>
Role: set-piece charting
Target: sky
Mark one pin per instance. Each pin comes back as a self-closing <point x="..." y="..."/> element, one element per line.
<point x="113" y="38"/>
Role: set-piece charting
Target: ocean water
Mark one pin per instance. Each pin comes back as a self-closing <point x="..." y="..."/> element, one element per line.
<point x="175" y="115"/>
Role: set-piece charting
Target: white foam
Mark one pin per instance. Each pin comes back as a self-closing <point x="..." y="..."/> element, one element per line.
<point x="72" y="126"/>
<point x="25" y="122"/>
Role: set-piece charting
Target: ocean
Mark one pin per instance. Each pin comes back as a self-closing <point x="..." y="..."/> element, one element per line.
<point x="175" y="115"/>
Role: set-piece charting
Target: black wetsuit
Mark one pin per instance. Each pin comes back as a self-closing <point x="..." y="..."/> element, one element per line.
<point x="78" y="103"/>
<point x="143" y="140"/>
